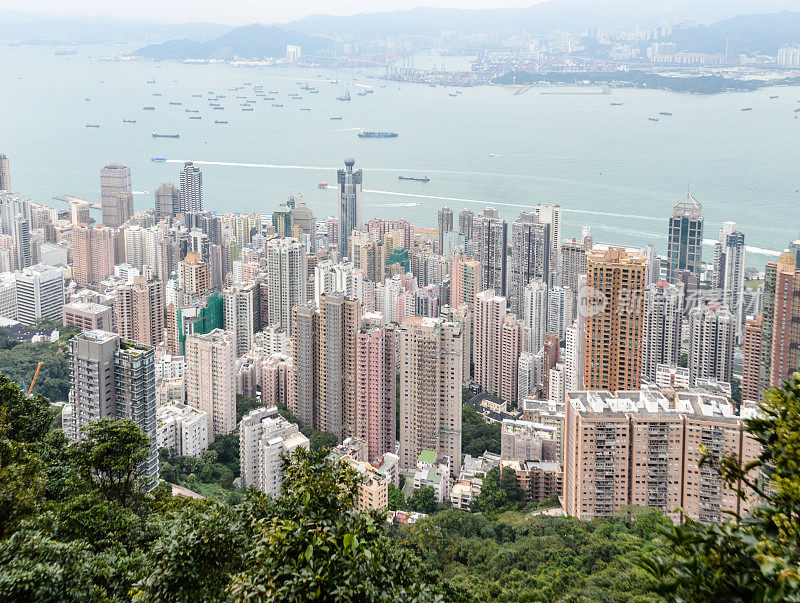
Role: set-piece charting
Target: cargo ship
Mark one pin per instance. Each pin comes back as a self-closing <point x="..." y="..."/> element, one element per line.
<point x="346" y="97"/>
<point x="158" y="159"/>
<point x="414" y="178"/>
<point x="129" y="121"/>
<point x="92" y="125"/>
<point x="148" y="108"/>
<point x="156" y="135"/>
<point x="616" y="104"/>
<point x="363" y="134"/>
<point x="218" y="121"/>
<point x="664" y="113"/>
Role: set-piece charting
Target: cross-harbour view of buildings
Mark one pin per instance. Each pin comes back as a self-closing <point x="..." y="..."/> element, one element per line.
<point x="608" y="367"/>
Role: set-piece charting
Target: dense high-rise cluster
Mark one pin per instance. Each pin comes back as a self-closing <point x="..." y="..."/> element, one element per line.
<point x="372" y="330"/>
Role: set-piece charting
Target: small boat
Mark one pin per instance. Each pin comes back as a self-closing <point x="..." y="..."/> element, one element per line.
<point x="158" y="159"/>
<point x="273" y="92"/>
<point x="747" y="109"/>
<point x="664" y="113"/>
<point x="195" y="117"/>
<point x="87" y="100"/>
<point x="148" y="108"/>
<point x="773" y="97"/>
<point x="156" y="94"/>
<point x="247" y="109"/>
<point x="797" y="110"/>
<point x="616" y="104"/>
<point x="197" y="96"/>
<point x="305" y="109"/>
<point x="492" y="154"/>
<point x="336" y="118"/>
<point x="217" y="121"/>
<point x="276" y="105"/>
<point x="414" y="178"/>
<point x="156" y="135"/>
<point x="269" y="98"/>
<point x="151" y="81"/>
<point x="92" y="125"/>
<point x="453" y="95"/>
<point x="218" y="108"/>
<point x="345" y="97"/>
<point x="323" y="185"/>
<point x="653" y="118"/>
<point x="191" y="111"/>
<point x="129" y="121"/>
<point x="213" y="104"/>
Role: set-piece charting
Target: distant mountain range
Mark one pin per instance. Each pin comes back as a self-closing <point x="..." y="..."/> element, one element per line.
<point x="29" y="27"/>
<point x="763" y="34"/>
<point x="250" y="41"/>
<point x="566" y="15"/>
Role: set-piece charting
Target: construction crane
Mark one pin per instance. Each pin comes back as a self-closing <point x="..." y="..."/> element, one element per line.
<point x="33" y="381"/>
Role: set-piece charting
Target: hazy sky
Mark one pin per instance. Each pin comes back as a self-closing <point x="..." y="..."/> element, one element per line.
<point x="235" y="12"/>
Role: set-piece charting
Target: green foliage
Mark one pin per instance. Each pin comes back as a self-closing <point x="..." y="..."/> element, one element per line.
<point x="397" y="500"/>
<point x="245" y="405"/>
<point x="423" y="500"/>
<point x="19" y="361"/>
<point x="541" y="558"/>
<point x="755" y="558"/>
<point x="75" y="526"/>
<point x="477" y="436"/>
<point x="500" y="492"/>
<point x="310" y="547"/>
<point x="108" y="456"/>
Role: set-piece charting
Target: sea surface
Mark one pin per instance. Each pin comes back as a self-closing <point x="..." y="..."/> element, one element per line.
<point x="610" y="167"/>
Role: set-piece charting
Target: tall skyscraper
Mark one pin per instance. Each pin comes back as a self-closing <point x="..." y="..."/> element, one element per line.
<point x="430" y="389"/>
<point x="241" y="314"/>
<point x="194" y="275"/>
<point x="375" y="386"/>
<point x="534" y="315"/>
<point x="663" y="311"/>
<point x="211" y="379"/>
<point x="111" y="380"/>
<point x="531" y="247"/>
<point x="551" y="214"/>
<point x="191" y="199"/>
<point x="445" y="221"/>
<point x="23" y="247"/>
<point x="711" y="338"/>
<point x="5" y="173"/>
<point x="489" y="245"/>
<point x="465" y="218"/>
<point x="92" y="254"/>
<point x="466" y="281"/>
<point x="685" y="237"/>
<point x="751" y="363"/>
<point x="781" y="335"/>
<point x="39" y="294"/>
<point x="729" y="266"/>
<point x="139" y="311"/>
<point x="559" y="311"/>
<point x="167" y="200"/>
<point x="349" y="183"/>
<point x="286" y="275"/>
<point x="498" y="341"/>
<point x="614" y="309"/>
<point x="116" y="195"/>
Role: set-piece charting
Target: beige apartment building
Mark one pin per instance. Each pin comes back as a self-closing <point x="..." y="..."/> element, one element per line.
<point x="643" y="448"/>
<point x="430" y="363"/>
<point x="139" y="311"/>
<point x="211" y="379"/>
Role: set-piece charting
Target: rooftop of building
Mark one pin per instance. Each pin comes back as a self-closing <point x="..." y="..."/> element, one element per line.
<point x="427" y="456"/>
<point x="87" y="307"/>
<point x="657" y="401"/>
